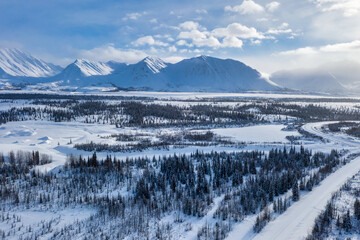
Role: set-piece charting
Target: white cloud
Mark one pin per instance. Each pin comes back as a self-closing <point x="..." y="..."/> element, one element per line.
<point x="154" y="20"/>
<point x="247" y="7"/>
<point x="348" y="7"/>
<point x="299" y="51"/>
<point x="172" y="49"/>
<point x="348" y="47"/>
<point x="153" y="50"/>
<point x="193" y="34"/>
<point x="273" y="6"/>
<point x="201" y="11"/>
<point x="237" y="30"/>
<point x="189" y="25"/>
<point x="133" y="16"/>
<point x="200" y="39"/>
<point x="109" y="52"/>
<point x="255" y="42"/>
<point x="182" y="42"/>
<point x="282" y="29"/>
<point x="232" y="42"/>
<point x="341" y="47"/>
<point x="229" y="36"/>
<point x="148" y="40"/>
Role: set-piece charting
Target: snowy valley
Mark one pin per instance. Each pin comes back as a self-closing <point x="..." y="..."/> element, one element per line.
<point x="202" y="149"/>
<point x="146" y="165"/>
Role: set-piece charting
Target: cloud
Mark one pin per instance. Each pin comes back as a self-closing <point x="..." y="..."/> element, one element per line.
<point x="237" y="30"/>
<point x="228" y="37"/>
<point x="109" y="52"/>
<point x="255" y="42"/>
<point x="348" y="47"/>
<point x="201" y="11"/>
<point x="348" y="7"/>
<point x="299" y="51"/>
<point x="272" y="6"/>
<point x="282" y="29"/>
<point x="247" y="7"/>
<point x="341" y="47"/>
<point x="133" y="16"/>
<point x="148" y="40"/>
<point x="200" y="39"/>
<point x="232" y="42"/>
<point x="189" y="25"/>
<point x="182" y="42"/>
<point x="172" y="49"/>
<point x="154" y="20"/>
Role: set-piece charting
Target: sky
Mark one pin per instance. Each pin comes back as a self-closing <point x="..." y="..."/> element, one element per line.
<point x="267" y="35"/>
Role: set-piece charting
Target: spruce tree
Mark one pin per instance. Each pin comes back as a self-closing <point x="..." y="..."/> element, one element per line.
<point x="357" y="209"/>
<point x="295" y="192"/>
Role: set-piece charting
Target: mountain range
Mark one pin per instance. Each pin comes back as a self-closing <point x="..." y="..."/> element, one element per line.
<point x="20" y="70"/>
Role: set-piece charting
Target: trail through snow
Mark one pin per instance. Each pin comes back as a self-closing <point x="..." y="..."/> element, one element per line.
<point x="298" y="220"/>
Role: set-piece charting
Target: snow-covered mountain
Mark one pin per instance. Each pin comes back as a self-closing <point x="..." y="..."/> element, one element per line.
<point x="206" y="73"/>
<point x="154" y="64"/>
<point x="309" y="80"/>
<point x="202" y="73"/>
<point x="144" y="75"/>
<point x="16" y="63"/>
<point x="84" y="68"/>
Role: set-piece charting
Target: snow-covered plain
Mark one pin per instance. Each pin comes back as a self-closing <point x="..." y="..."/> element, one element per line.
<point x="58" y="139"/>
<point x="257" y="134"/>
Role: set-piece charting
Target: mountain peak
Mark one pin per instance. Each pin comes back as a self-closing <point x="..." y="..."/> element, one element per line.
<point x="203" y="57"/>
<point x="16" y="62"/>
<point x="91" y="68"/>
<point x="155" y="64"/>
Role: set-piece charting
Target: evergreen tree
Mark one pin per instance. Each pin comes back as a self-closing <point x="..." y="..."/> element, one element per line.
<point x="347" y="222"/>
<point x="295" y="192"/>
<point x="357" y="209"/>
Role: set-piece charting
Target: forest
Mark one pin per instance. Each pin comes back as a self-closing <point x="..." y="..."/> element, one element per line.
<point x="135" y="193"/>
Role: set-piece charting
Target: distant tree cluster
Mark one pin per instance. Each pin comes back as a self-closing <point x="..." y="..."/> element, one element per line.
<point x="149" y="114"/>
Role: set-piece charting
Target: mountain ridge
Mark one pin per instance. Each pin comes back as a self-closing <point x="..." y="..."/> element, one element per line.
<point x="198" y="74"/>
<point x="17" y="63"/>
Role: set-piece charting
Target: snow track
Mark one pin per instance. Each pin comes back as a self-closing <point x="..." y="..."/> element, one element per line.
<point x="298" y="220"/>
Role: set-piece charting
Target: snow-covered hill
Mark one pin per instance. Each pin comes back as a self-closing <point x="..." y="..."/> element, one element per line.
<point x="16" y="63"/>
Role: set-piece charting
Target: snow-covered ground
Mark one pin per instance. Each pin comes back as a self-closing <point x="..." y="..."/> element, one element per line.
<point x="298" y="220"/>
<point x="187" y="95"/>
<point x="257" y="134"/>
<point x="35" y="219"/>
<point x="58" y="139"/>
